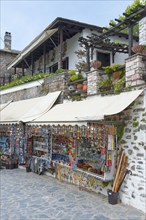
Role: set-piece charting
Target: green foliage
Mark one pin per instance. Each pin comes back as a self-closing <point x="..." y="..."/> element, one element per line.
<point x="128" y="10"/>
<point x="72" y="72"/>
<point x="60" y="71"/>
<point x="110" y="69"/>
<point x="74" y="78"/>
<point x="115" y="67"/>
<point x="80" y="76"/>
<point x="105" y="82"/>
<point x="119" y="84"/>
<point x="123" y="141"/>
<point x="120" y="131"/>
<point x="135" y="124"/>
<point x="76" y="97"/>
<point x="26" y="79"/>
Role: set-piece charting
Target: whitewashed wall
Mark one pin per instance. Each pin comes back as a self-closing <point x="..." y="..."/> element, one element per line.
<point x="72" y="46"/>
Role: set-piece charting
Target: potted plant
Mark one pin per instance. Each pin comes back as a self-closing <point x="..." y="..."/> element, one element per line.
<point x="108" y="71"/>
<point x="116" y="72"/>
<point x="105" y="85"/>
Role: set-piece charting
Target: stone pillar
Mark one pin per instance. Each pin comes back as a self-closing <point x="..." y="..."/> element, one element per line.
<point x="142" y="31"/>
<point x="93" y="79"/>
<point x="135" y="70"/>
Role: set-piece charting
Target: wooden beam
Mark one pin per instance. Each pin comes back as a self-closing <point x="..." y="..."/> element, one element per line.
<point x="44" y="58"/>
<point x="32" y="64"/>
<point x="88" y="57"/>
<point x="60" y="48"/>
<point x="130" y="39"/>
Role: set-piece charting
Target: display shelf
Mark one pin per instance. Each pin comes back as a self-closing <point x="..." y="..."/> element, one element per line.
<point x="41" y="149"/>
<point x="61" y="164"/>
<point x="91" y="174"/>
<point x="40" y="158"/>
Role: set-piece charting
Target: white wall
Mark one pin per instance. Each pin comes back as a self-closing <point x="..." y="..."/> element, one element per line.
<point x="73" y="45"/>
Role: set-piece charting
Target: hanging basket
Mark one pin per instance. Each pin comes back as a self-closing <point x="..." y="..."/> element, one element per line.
<point x="137" y="48"/>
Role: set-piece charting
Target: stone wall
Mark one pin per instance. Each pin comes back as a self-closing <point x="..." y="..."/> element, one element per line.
<point x="93" y="79"/>
<point x="5" y="58"/>
<point x="133" y="190"/>
<point x="50" y="84"/>
<point x="135" y="70"/>
<point x="142" y="31"/>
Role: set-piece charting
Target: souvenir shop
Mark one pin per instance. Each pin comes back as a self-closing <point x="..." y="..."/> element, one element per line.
<point x="12" y="145"/>
<point x="83" y="155"/>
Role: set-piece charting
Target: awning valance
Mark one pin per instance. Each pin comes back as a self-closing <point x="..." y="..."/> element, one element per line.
<point x="89" y="110"/>
<point x="29" y="109"/>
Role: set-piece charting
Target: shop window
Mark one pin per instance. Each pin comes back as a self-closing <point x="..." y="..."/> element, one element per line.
<point x="40" y="146"/>
<point x="104" y="58"/>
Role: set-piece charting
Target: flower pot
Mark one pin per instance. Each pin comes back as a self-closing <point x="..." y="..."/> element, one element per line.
<point x="96" y="64"/>
<point x="137" y="48"/>
<point x="116" y="75"/>
<point x="79" y="86"/>
<point x="84" y="87"/>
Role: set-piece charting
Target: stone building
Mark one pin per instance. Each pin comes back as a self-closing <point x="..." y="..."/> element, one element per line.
<point x="6" y="56"/>
<point x="133" y="190"/>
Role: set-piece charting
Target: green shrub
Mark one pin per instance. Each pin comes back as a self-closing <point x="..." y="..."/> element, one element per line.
<point x="72" y="72"/>
<point x="73" y="78"/>
<point x="26" y="79"/>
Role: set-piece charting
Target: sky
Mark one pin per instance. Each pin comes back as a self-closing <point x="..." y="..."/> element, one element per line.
<point x="27" y="19"/>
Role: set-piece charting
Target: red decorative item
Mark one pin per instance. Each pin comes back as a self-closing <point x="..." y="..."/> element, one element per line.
<point x="103" y="151"/>
<point x="109" y="163"/>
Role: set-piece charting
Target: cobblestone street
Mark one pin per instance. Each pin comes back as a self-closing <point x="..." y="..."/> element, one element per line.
<point x="28" y="196"/>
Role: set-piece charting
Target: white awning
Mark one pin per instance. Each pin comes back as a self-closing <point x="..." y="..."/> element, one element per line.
<point x="88" y="110"/>
<point x="32" y="46"/>
<point x="2" y="106"/>
<point x="29" y="109"/>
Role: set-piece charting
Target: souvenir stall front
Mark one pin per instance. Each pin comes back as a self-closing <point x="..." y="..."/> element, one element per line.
<point x="82" y="155"/>
<point x="12" y="142"/>
<point x="83" y="145"/>
<point x="85" y="155"/>
<point x="38" y="148"/>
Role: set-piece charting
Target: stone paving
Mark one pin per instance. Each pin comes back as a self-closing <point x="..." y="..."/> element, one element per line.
<point x="28" y="196"/>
